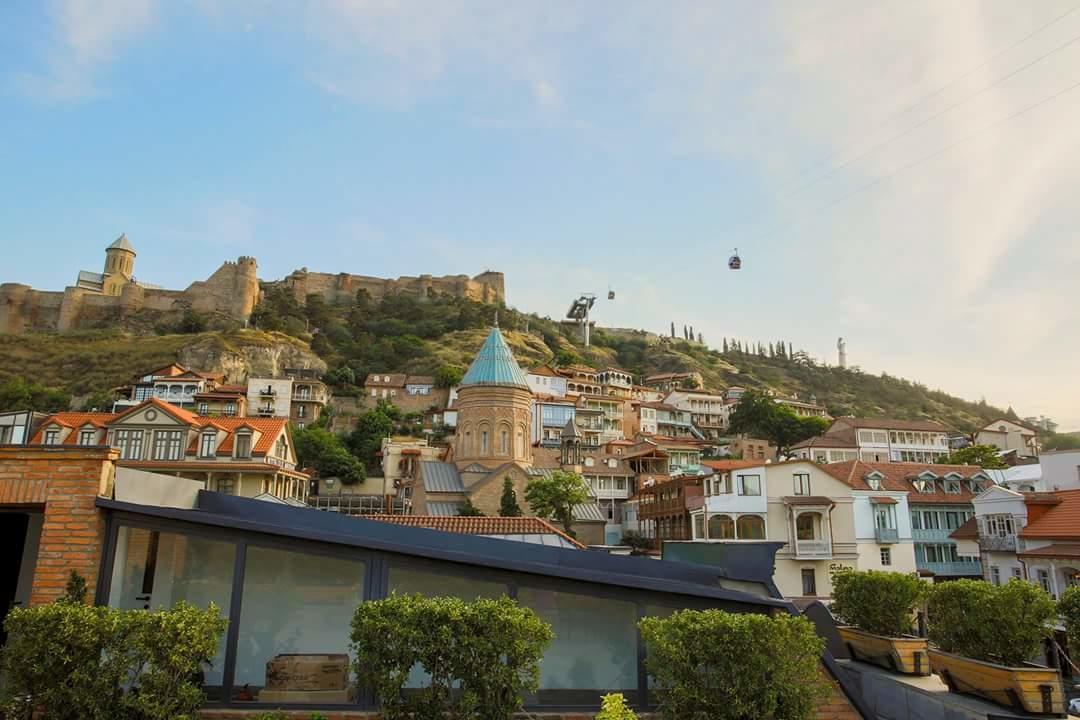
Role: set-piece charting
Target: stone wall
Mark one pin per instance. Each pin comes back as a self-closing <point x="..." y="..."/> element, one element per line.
<point x="487" y="287"/>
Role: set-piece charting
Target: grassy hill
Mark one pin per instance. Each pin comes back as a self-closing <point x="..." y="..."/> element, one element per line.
<point x="402" y="334"/>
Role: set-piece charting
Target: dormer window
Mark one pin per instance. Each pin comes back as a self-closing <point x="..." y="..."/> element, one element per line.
<point x="87" y="437"/>
<point x="612" y="462"/>
<point x="52" y="437"/>
<point x="208" y="444"/>
<point x="588" y="462"/>
<point x="874" y="482"/>
<point x="952" y="487"/>
<point x="926" y="487"/>
<point x="243" y="444"/>
<point x="977" y="486"/>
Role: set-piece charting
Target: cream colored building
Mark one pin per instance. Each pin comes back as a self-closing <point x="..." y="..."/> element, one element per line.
<point x="825" y="524"/>
<point x="1010" y="435"/>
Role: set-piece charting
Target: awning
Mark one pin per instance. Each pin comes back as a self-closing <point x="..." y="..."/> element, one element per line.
<point x="811" y="500"/>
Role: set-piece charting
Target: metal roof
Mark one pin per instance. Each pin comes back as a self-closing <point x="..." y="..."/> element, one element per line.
<point x="122" y="243"/>
<point x="440" y="477"/>
<point x="444" y="509"/>
<point x="495" y="365"/>
<point x="536" y="539"/>
<point x="589" y="512"/>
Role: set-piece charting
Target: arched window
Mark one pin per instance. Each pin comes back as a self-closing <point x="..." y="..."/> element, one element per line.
<point x="467" y="441"/>
<point x="751" y="527"/>
<point x="504" y="442"/>
<point x="721" y="527"/>
<point x="484" y="442"/>
<point x="521" y="441"/>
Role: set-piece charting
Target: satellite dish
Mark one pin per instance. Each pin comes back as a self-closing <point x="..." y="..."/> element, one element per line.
<point x="735" y="262"/>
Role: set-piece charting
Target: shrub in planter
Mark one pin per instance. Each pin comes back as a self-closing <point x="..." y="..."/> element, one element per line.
<point x="77" y="662"/>
<point x="999" y="624"/>
<point x="481" y="656"/>
<point x="713" y="665"/>
<point x="614" y="707"/>
<point x="881" y="603"/>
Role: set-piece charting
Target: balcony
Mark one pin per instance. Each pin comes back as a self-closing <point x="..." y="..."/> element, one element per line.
<point x="886" y="536"/>
<point x="935" y="536"/>
<point x="266" y="411"/>
<point x="813" y="549"/>
<point x="998" y="543"/>
<point x="973" y="569"/>
<point x="267" y="392"/>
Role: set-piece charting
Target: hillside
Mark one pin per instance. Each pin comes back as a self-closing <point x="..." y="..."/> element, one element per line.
<point x="401" y="334"/>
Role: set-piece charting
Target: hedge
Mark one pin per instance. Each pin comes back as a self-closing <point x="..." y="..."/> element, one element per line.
<point x="481" y="656"/>
<point x="881" y="603"/>
<point x="1002" y="624"/>
<point x="714" y="665"/>
<point x="74" y="661"/>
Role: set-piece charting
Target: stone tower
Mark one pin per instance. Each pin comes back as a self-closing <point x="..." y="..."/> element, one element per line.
<point x="119" y="266"/>
<point x="494" y="409"/>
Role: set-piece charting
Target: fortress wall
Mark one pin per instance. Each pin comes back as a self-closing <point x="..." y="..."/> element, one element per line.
<point x="340" y="288"/>
<point x="23" y="309"/>
<point x="233" y="290"/>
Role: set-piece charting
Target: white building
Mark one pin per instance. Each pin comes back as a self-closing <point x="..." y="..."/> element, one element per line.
<point x="1005" y="435"/>
<point x="708" y="411"/>
<point x="545" y="381"/>
<point x="877" y="440"/>
<point x="269" y="397"/>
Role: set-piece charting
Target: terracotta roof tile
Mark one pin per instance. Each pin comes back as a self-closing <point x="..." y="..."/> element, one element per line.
<point x="1053" y="551"/>
<point x="968" y="531"/>
<point x="892" y="424"/>
<point x="898" y="477"/>
<point x="73" y="420"/>
<point x="1060" y="522"/>
<point x="731" y="464"/>
<point x="479" y="525"/>
<point x="844" y="438"/>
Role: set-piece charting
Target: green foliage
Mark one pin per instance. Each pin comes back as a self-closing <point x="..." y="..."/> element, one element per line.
<point x="481" y="656"/>
<point x="566" y="357"/>
<point x="613" y="707"/>
<point x="1069" y="611"/>
<point x="17" y="394"/>
<point x="99" y="400"/>
<point x="985" y="456"/>
<point x="467" y="509"/>
<point x="448" y="376"/>
<point x="73" y="661"/>
<point x="881" y="603"/>
<point x="758" y="416"/>
<point x="75" y="590"/>
<point x="714" y="665"/>
<point x="319" y="448"/>
<point x="1057" y="441"/>
<point x="636" y="541"/>
<point x="365" y="441"/>
<point x="508" y="504"/>
<point x="1000" y="624"/>
<point x="556" y="495"/>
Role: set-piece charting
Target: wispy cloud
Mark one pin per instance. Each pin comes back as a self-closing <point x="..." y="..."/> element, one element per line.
<point x="85" y="36"/>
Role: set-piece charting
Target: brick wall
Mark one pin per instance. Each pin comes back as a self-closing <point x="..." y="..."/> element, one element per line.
<point x="64" y="482"/>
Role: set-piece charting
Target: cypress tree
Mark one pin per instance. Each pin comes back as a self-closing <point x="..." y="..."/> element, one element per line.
<point x="508" y="505"/>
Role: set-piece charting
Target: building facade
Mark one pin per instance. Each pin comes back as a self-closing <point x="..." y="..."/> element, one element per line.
<point x="877" y="440"/>
<point x="1006" y="435"/>
<point x="709" y="412"/>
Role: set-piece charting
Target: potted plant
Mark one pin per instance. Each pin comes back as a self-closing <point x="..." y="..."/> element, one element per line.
<point x="879" y="610"/>
<point x="985" y="636"/>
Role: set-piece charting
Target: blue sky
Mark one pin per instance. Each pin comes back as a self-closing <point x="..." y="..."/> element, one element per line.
<point x="859" y="154"/>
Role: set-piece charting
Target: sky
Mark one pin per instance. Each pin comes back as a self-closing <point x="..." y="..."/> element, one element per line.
<point x="904" y="174"/>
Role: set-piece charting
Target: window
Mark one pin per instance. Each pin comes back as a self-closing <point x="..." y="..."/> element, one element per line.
<point x="952" y="520"/>
<point x="952" y="487"/>
<point x="926" y="487"/>
<point x="230" y="409"/>
<point x="884" y="517"/>
<point x="886" y="556"/>
<point x="1044" y="579"/>
<point x="594" y="650"/>
<point x="374" y="392"/>
<point x="1016" y="572"/>
<point x="158" y="569"/>
<point x="916" y="520"/>
<point x="208" y="444"/>
<point x="721" y="527"/>
<point x="301" y="411"/>
<point x="699" y="526"/>
<point x="931" y="520"/>
<point x="226" y="485"/>
<point x="749" y="484"/>
<point x="87" y="437"/>
<point x="167" y="444"/>
<point x="995" y="575"/>
<point x="483" y="442"/>
<point x="504" y="442"/>
<point x="52" y="437"/>
<point x="874" y="482"/>
<point x="204" y="408"/>
<point x="1000" y="525"/>
<point x="809" y="582"/>
<point x="750" y="527"/>
<point x="243" y="444"/>
<point x="802" y="483"/>
<point x="293" y="603"/>
<point x="806" y="526"/>
<point x="129" y="443"/>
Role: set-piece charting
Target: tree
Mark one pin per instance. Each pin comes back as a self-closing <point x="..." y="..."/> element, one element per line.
<point x="99" y="400"/>
<point x="1056" y="441"/>
<point x="725" y="346"/>
<point x="985" y="456"/>
<point x="638" y="543"/>
<point x="17" y="394"/>
<point x="365" y="441"/>
<point x="324" y="451"/>
<point x="467" y="509"/>
<point x="448" y="376"/>
<point x="758" y="416"/>
<point x="556" y="495"/>
<point x="565" y="357"/>
<point x="508" y="504"/>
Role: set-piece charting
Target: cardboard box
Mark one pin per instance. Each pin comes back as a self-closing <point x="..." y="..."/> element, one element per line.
<point x="308" y="672"/>
<point x="313" y="697"/>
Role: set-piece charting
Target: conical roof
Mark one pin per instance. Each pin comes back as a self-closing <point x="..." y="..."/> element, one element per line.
<point x="122" y="243"/>
<point x="495" y="365"/>
<point x="571" y="431"/>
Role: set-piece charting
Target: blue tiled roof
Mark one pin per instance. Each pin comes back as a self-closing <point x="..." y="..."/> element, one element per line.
<point x="495" y="365"/>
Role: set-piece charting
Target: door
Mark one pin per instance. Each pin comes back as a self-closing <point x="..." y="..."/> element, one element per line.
<point x="809" y="582"/>
<point x="17" y="561"/>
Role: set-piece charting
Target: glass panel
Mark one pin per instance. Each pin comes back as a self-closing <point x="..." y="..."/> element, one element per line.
<point x="295" y="604"/>
<point x="158" y="569"/>
<point x="594" y="651"/>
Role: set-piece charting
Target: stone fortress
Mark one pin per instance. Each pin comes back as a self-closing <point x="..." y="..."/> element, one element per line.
<point x="232" y="292"/>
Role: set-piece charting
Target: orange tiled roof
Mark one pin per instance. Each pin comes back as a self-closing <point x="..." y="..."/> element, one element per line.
<point x="177" y="412"/>
<point x="72" y="420"/>
<point x="1061" y="522"/>
<point x="968" y="531"/>
<point x="898" y="477"/>
<point x="544" y="370"/>
<point x="731" y="464"/>
<point x="1053" y="551"/>
<point x="891" y="424"/>
<point x="269" y="429"/>
<point x="479" y="525"/>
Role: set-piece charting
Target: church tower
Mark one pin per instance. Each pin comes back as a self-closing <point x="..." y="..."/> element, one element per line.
<point x="120" y="258"/>
<point x="494" y="409"/>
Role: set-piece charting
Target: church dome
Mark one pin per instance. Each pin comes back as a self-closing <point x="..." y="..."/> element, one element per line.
<point x="495" y="365"/>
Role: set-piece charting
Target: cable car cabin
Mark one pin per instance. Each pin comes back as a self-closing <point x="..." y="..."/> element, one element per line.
<point x="734" y="262"/>
<point x="610" y="294"/>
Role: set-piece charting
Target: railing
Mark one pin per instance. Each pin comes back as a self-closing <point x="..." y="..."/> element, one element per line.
<point x="941" y="535"/>
<point x="998" y="543"/>
<point x="358" y="504"/>
<point x="267" y="392"/>
<point x="952" y="568"/>
<point x="886" y="536"/>
<point x="813" y="549"/>
<point x="266" y="411"/>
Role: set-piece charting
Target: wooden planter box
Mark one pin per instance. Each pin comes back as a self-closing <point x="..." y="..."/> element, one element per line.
<point x="905" y="655"/>
<point x="1031" y="689"/>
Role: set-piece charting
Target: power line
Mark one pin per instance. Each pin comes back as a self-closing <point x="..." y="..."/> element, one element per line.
<point x="940" y="151"/>
<point x="946" y="86"/>
<point x="947" y="109"/>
